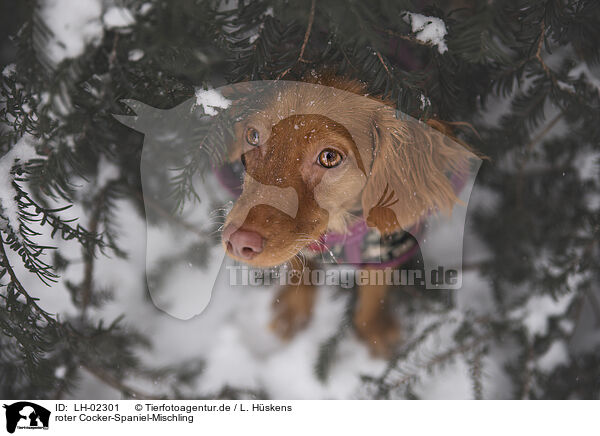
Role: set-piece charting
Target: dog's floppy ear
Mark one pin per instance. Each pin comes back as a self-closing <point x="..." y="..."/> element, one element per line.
<point x="410" y="173"/>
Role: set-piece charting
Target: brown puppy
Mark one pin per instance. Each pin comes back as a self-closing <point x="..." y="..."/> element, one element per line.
<point x="322" y="158"/>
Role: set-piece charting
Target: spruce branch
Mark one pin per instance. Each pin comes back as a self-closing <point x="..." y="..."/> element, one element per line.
<point x="540" y="136"/>
<point x="119" y="385"/>
<point x="19" y="287"/>
<point x="173" y="217"/>
<point x="381" y="383"/>
<point x="476" y="372"/>
<point x="441" y="358"/>
<point x="89" y="256"/>
<point x="329" y="347"/>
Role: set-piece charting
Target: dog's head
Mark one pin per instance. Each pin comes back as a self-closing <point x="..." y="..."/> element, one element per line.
<point x="317" y="158"/>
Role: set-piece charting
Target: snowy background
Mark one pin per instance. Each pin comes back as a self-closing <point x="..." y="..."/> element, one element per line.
<point x="234" y="341"/>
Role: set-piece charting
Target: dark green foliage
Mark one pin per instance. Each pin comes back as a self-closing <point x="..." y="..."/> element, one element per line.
<point x="542" y="231"/>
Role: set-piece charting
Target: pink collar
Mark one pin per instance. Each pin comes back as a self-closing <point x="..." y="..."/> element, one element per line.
<point x="355" y="234"/>
<point x="353" y="238"/>
<point x="353" y="241"/>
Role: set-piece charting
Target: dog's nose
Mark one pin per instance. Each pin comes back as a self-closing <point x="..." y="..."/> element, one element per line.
<point x="243" y="243"/>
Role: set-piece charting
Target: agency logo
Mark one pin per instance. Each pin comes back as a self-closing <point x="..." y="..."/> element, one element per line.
<point x="26" y="415"/>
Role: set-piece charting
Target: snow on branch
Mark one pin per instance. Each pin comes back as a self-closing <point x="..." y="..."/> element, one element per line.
<point x="429" y="30"/>
<point x="21" y="152"/>
<point x="210" y="99"/>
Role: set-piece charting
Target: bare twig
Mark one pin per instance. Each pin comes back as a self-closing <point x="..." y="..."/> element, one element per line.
<point x="527" y="376"/>
<point x="528" y="149"/>
<point x="595" y="305"/>
<point x="311" y="19"/>
<point x="547" y="70"/>
<point x="406" y="37"/>
<point x="387" y="70"/>
<point x="88" y="271"/>
<point x="537" y="138"/>
<point x="348" y="59"/>
<point x="538" y="51"/>
<point x="113" y="54"/>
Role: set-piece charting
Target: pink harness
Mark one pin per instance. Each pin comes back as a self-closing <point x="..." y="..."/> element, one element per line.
<point x="352" y="242"/>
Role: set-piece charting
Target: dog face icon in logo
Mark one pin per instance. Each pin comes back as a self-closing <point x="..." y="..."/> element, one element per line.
<point x="26" y="415"/>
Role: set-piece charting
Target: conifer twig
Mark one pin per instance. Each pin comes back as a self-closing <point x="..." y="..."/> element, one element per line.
<point x="19" y="287"/>
<point x="311" y="19"/>
<point x="406" y="37"/>
<point x="476" y="374"/>
<point x="445" y="356"/>
<point x="528" y="148"/>
<point x="538" y="51"/>
<point x="537" y="138"/>
<point x="387" y="70"/>
<point x="113" y="54"/>
<point x="88" y="273"/>
<point x="170" y="216"/>
<point x="117" y="384"/>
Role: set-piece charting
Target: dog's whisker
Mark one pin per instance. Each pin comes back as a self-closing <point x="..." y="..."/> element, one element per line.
<point x="322" y="244"/>
<point x="308" y="240"/>
<point x="219" y="230"/>
<point x="221" y="209"/>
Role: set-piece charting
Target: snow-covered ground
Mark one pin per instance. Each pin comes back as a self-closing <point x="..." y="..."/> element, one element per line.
<point x="232" y="336"/>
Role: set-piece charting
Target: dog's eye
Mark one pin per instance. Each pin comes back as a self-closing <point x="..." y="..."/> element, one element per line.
<point x="252" y="136"/>
<point x="329" y="158"/>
